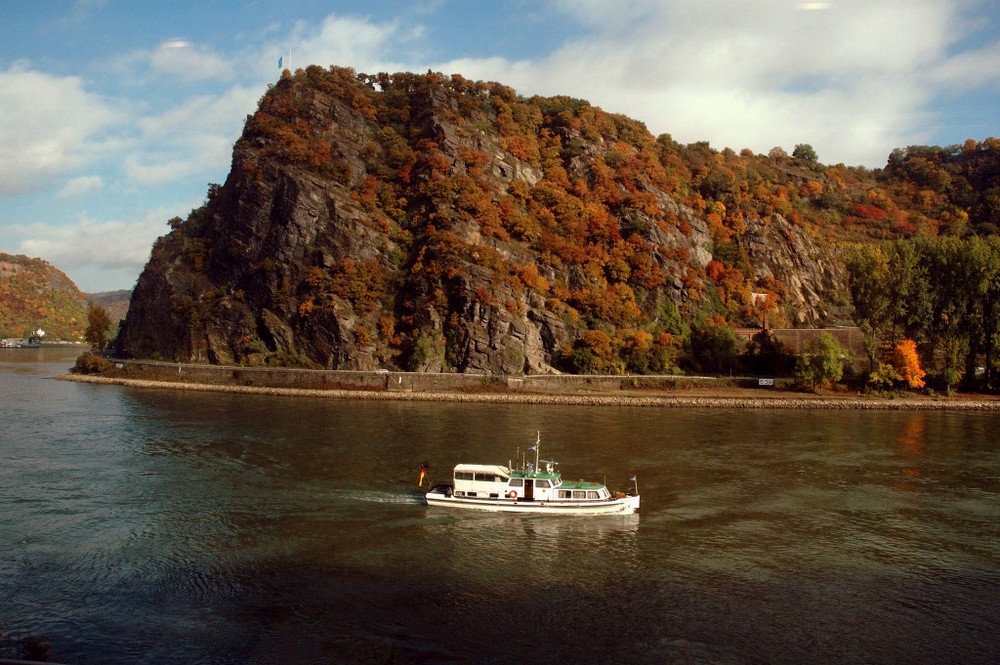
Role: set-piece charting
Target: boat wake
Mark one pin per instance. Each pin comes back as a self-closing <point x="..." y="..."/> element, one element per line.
<point x="399" y="498"/>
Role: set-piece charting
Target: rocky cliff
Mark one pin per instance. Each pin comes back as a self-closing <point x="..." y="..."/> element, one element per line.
<point x="433" y="223"/>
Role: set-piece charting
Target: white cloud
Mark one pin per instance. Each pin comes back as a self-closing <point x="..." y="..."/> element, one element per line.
<point x="344" y="41"/>
<point x="171" y="62"/>
<point x="978" y="68"/>
<point x="188" y="62"/>
<point x="80" y="186"/>
<point x="158" y="171"/>
<point x="853" y="78"/>
<point x="91" y="242"/>
<point x="111" y="253"/>
<point x="49" y="125"/>
<point x="199" y="116"/>
<point x="196" y="136"/>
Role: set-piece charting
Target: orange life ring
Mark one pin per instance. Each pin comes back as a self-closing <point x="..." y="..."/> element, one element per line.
<point x="512" y="494"/>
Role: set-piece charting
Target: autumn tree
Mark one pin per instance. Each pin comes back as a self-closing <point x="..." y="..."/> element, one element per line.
<point x="906" y="362"/>
<point x="98" y="326"/>
<point x="593" y="353"/>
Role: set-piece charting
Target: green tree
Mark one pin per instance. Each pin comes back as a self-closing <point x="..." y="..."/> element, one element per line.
<point x="950" y="295"/>
<point x="909" y="304"/>
<point x="98" y="326"/>
<point x="766" y="355"/>
<point x="991" y="307"/>
<point x="805" y="152"/>
<point x="980" y="261"/>
<point x="822" y="362"/>
<point x="713" y="347"/>
<point x="868" y="275"/>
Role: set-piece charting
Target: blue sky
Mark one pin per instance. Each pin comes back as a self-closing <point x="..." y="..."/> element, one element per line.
<point x="116" y="114"/>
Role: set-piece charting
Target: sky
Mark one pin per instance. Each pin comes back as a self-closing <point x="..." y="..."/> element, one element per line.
<point x="115" y="115"/>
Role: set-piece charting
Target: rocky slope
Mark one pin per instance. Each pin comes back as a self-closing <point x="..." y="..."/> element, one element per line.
<point x="438" y="224"/>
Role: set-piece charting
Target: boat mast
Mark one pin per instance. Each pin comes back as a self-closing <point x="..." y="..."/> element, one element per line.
<point x="538" y="444"/>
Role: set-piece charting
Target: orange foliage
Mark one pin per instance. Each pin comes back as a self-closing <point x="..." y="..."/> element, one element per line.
<point x="528" y="274"/>
<point x="907" y="363"/>
<point x="315" y="277"/>
<point x="361" y="336"/>
<point x="599" y="342"/>
<point x="386" y="327"/>
<point x="715" y="270"/>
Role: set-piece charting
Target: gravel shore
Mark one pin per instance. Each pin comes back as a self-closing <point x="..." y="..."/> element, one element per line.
<point x="770" y="401"/>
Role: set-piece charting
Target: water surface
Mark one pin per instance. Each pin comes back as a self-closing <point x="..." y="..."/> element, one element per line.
<point x="157" y="526"/>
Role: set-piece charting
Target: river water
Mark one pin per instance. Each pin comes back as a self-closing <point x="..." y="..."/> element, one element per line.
<point x="157" y="526"/>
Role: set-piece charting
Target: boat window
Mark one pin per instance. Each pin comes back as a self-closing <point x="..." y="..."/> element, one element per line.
<point x="565" y="494"/>
<point x="592" y="494"/>
<point x="463" y="475"/>
<point x="486" y="477"/>
<point x="516" y="482"/>
<point x="579" y="494"/>
<point x="542" y="483"/>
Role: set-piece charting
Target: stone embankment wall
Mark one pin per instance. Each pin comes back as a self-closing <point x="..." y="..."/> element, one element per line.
<point x="424" y="382"/>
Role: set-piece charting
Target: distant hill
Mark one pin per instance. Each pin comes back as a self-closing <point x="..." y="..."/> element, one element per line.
<point x="434" y="223"/>
<point x="36" y="295"/>
<point x="114" y="302"/>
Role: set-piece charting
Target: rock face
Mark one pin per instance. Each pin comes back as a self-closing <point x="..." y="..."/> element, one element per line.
<point x="436" y="224"/>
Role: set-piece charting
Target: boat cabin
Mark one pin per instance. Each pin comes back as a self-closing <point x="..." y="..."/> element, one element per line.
<point x="488" y="481"/>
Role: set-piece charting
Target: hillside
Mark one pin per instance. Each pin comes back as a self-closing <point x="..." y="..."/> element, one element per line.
<point x="115" y="303"/>
<point x="33" y="295"/>
<point x="433" y="223"/>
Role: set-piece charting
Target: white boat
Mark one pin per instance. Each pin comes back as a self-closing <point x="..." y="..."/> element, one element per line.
<point x="528" y="489"/>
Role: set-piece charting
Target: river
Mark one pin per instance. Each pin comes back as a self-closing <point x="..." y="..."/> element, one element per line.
<point x="160" y="526"/>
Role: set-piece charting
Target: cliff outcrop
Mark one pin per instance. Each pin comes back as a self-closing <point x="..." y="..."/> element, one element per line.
<point x="437" y="224"/>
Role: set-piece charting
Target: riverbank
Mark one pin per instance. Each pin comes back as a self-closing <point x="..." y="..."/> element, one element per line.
<point x="721" y="397"/>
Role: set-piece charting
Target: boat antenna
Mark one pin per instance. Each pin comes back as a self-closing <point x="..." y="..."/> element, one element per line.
<point x="636" y="482"/>
<point x="538" y="444"/>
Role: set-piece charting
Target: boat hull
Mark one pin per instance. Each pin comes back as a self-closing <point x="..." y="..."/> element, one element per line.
<point x="618" y="506"/>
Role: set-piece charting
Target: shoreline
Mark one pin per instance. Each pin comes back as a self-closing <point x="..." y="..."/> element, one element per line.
<point x="770" y="401"/>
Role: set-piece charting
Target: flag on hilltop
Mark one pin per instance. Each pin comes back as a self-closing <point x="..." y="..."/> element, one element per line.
<point x="280" y="61"/>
